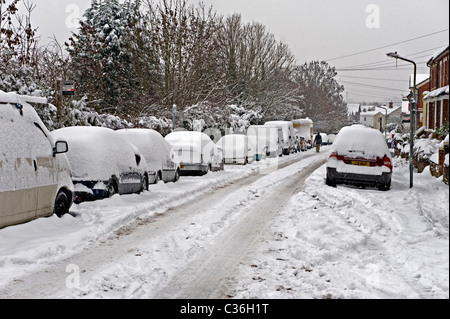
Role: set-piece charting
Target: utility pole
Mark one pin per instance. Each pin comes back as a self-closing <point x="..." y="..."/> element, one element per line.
<point x="412" y="117"/>
<point x="59" y="99"/>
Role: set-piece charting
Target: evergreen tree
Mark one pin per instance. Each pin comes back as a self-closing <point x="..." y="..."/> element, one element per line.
<point x="321" y="95"/>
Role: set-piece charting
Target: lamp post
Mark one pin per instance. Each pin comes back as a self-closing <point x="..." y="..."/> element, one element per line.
<point x="385" y="122"/>
<point x="412" y="116"/>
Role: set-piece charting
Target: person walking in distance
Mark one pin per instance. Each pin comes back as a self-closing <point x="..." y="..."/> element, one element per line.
<point x="318" y="141"/>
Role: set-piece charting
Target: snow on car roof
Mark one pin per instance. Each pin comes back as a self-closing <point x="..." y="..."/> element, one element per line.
<point x="187" y="137"/>
<point x="359" y="138"/>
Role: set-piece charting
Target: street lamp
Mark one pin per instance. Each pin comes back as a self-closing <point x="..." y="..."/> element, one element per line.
<point x="412" y="116"/>
<point x="385" y="124"/>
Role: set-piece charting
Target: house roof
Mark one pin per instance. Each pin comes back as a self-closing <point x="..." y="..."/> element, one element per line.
<point x="437" y="92"/>
<point x="419" y="79"/>
<point x="381" y="110"/>
<point x="437" y="54"/>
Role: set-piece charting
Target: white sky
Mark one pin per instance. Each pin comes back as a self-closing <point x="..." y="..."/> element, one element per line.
<point x="321" y="30"/>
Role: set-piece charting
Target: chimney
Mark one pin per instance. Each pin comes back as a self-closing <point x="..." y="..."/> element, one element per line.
<point x="391" y="104"/>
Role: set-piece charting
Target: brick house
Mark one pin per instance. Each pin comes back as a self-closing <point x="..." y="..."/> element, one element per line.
<point x="423" y="88"/>
<point x="437" y="109"/>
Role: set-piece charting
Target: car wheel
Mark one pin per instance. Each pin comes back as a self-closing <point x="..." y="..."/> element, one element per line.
<point x="385" y="187"/>
<point x="112" y="188"/>
<point x="177" y="176"/>
<point x="144" y="186"/>
<point x="330" y="182"/>
<point x="62" y="204"/>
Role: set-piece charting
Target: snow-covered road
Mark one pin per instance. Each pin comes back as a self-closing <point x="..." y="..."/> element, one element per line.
<point x="259" y="231"/>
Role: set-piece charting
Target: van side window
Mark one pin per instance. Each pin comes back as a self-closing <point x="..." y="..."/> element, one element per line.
<point x="40" y="129"/>
<point x="42" y="146"/>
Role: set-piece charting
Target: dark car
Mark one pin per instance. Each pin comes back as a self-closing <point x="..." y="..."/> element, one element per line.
<point x="103" y="163"/>
<point x="360" y="156"/>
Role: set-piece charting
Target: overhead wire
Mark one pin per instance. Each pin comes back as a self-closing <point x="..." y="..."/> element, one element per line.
<point x="386" y="46"/>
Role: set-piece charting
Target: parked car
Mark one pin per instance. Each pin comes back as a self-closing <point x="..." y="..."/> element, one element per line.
<point x="103" y="163"/>
<point x="198" y="154"/>
<point x="35" y="177"/>
<point x="267" y="140"/>
<point x="324" y="138"/>
<point x="161" y="161"/>
<point x="288" y="135"/>
<point x="237" y="149"/>
<point x="359" y="155"/>
<point x="331" y="138"/>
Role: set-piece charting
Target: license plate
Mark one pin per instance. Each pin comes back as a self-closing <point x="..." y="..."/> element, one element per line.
<point x="360" y="163"/>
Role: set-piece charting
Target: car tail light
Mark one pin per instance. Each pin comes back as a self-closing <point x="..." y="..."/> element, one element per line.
<point x="336" y="156"/>
<point x="387" y="162"/>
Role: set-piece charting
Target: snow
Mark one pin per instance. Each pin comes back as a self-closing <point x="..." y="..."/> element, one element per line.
<point x="152" y="145"/>
<point x="342" y="242"/>
<point x="323" y="245"/>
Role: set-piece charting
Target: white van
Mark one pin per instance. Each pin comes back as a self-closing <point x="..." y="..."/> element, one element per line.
<point x="196" y="152"/>
<point x="35" y="177"/>
<point x="305" y="129"/>
<point x="237" y="149"/>
<point x="287" y="127"/>
<point x="266" y="139"/>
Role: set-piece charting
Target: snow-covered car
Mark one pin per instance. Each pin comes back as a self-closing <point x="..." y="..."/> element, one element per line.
<point x="162" y="163"/>
<point x="324" y="138"/>
<point x="35" y="177"/>
<point x="288" y="134"/>
<point x="237" y="149"/>
<point x="331" y="138"/>
<point x="266" y="140"/>
<point x="103" y="163"/>
<point x="197" y="153"/>
<point x="360" y="156"/>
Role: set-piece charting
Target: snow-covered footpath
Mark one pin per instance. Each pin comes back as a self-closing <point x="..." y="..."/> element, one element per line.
<point x="342" y="242"/>
<point x="348" y="242"/>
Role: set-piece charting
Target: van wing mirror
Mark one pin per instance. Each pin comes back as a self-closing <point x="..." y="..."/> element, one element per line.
<point x="60" y="148"/>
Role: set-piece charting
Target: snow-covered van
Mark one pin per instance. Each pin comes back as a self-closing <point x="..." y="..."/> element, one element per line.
<point x="305" y="129"/>
<point x="288" y="134"/>
<point x="196" y="151"/>
<point x="267" y="140"/>
<point x="35" y="175"/>
<point x="237" y="149"/>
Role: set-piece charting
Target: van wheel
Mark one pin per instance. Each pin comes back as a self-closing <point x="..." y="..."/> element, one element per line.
<point x="62" y="204"/>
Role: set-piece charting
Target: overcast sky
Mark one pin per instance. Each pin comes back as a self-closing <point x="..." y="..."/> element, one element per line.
<point x="336" y="31"/>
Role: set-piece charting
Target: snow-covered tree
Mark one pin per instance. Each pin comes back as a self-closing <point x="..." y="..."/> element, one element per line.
<point x="17" y="48"/>
<point x="107" y="57"/>
<point x="321" y="95"/>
